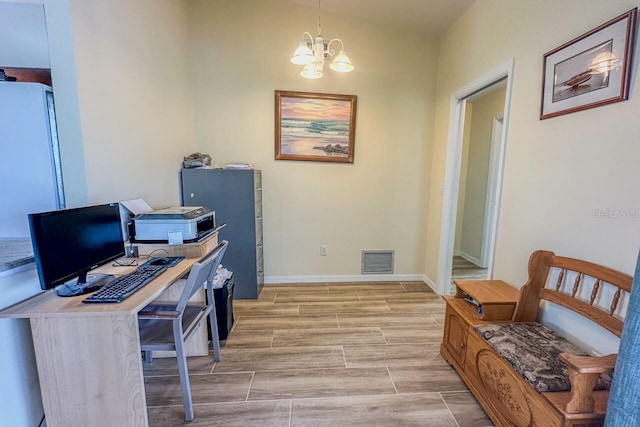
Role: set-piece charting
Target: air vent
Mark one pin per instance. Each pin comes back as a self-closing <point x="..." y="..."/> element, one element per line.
<point x="377" y="262"/>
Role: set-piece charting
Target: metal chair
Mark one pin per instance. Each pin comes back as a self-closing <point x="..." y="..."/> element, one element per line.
<point x="169" y="326"/>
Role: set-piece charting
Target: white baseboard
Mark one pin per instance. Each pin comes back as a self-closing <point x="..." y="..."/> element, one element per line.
<point x="468" y="258"/>
<point x="346" y="278"/>
<point x="433" y="285"/>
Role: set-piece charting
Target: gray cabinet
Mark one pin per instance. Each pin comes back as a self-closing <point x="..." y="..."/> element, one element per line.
<point x="236" y="197"/>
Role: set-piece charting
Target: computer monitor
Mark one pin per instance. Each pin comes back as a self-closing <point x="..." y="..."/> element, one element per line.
<point x="69" y="243"/>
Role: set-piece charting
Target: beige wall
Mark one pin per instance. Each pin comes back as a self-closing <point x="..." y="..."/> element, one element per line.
<point x="561" y="172"/>
<point x="485" y="109"/>
<point x="133" y="90"/>
<point x="240" y="55"/>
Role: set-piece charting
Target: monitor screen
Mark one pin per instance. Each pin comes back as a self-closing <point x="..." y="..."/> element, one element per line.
<point x="68" y="243"/>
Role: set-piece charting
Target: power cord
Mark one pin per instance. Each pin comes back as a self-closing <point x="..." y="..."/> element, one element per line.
<point x="41" y="421"/>
<point x="163" y="250"/>
<point x="129" y="262"/>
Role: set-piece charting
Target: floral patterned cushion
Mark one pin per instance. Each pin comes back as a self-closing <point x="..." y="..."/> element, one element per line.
<point x="532" y="350"/>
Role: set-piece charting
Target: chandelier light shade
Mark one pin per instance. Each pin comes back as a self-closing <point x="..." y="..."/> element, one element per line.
<point x="341" y="63"/>
<point x="303" y="55"/>
<point x="311" y="71"/>
<point x="312" y="53"/>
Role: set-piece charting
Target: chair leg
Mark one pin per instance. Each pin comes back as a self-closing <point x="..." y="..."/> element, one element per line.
<point x="215" y="337"/>
<point x="213" y="322"/>
<point x="184" y="374"/>
<point x="147" y="356"/>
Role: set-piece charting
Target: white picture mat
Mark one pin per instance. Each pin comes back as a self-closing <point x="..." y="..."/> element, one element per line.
<point x="616" y="32"/>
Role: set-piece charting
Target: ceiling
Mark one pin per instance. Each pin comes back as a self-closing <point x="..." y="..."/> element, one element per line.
<point x="432" y="17"/>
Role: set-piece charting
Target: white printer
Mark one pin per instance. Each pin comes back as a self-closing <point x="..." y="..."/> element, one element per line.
<point x="194" y="222"/>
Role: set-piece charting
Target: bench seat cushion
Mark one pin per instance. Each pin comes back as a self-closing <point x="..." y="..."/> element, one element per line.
<point x="532" y="350"/>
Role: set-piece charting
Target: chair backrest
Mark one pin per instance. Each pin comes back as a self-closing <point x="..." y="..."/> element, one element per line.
<point x="200" y="273"/>
<point x="214" y="253"/>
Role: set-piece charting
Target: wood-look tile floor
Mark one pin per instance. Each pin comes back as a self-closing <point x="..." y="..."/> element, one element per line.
<point x="337" y="354"/>
<point x="463" y="269"/>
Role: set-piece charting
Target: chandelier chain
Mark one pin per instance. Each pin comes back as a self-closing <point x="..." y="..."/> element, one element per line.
<point x="319" y="26"/>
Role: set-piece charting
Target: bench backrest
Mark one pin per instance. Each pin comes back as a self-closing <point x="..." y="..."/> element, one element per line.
<point x="591" y="290"/>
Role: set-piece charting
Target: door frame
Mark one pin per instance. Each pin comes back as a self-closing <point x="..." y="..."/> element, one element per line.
<point x="495" y="150"/>
<point x="452" y="170"/>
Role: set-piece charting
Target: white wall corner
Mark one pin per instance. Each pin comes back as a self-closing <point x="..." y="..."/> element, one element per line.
<point x="468" y="257"/>
<point x="433" y="285"/>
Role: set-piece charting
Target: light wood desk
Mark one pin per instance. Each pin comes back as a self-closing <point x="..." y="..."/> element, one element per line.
<point x="88" y="355"/>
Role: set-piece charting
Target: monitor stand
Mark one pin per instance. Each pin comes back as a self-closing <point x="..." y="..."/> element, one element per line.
<point x="93" y="282"/>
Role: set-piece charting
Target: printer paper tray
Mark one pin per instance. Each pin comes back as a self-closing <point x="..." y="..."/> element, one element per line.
<point x="197" y="239"/>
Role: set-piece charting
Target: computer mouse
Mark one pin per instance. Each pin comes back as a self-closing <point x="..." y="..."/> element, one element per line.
<point x="159" y="261"/>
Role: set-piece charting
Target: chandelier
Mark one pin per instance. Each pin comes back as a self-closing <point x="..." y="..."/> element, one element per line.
<point x="312" y="53"/>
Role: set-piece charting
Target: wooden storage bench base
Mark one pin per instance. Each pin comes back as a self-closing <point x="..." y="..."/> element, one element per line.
<point x="505" y="395"/>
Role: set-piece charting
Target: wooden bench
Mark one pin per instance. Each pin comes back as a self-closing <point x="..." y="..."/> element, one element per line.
<point x="499" y="355"/>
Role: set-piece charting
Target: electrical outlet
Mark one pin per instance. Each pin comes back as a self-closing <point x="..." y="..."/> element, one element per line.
<point x="323" y="250"/>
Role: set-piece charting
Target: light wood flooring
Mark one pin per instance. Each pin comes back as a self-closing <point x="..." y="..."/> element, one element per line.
<point x="337" y="354"/>
<point x="463" y="269"/>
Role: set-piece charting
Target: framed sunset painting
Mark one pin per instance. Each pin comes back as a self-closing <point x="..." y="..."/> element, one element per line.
<point x="315" y="127"/>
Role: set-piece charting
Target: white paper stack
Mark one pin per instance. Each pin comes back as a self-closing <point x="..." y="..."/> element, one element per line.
<point x="222" y="275"/>
<point x="239" y="166"/>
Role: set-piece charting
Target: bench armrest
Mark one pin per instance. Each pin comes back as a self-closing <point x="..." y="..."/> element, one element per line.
<point x="590" y="364"/>
<point x="583" y="374"/>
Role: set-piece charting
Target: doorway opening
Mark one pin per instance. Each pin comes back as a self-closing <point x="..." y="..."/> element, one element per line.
<point x="473" y="177"/>
<point x="481" y="142"/>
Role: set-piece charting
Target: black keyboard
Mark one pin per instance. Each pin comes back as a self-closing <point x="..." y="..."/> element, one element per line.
<point x="124" y="286"/>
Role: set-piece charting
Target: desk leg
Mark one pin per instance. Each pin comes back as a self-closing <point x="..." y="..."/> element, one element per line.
<point x="90" y="370"/>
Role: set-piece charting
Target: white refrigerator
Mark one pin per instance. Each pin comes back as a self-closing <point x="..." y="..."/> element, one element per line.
<point x="30" y="165"/>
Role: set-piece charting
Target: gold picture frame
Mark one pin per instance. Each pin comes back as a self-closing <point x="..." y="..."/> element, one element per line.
<point x="316" y="127"/>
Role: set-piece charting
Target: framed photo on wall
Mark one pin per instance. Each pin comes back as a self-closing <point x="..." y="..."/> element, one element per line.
<point x="315" y="127"/>
<point x="591" y="70"/>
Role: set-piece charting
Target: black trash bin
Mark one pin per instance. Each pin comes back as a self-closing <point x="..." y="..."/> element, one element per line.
<point x="223" y="298"/>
